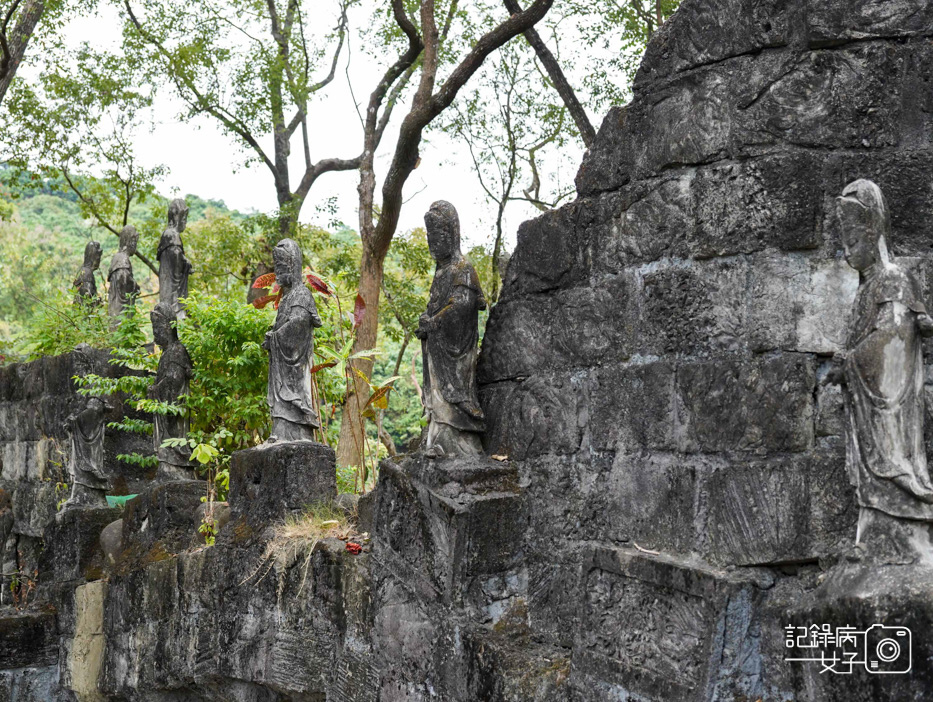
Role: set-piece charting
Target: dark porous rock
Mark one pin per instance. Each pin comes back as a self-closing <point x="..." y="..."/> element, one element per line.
<point x="633" y="407"/>
<point x="29" y="684"/>
<point x="651" y="501"/>
<point x="606" y="166"/>
<point x="508" y="664"/>
<point x="27" y="640"/>
<point x="580" y="326"/>
<point x="797" y="303"/>
<point x="917" y="102"/>
<point x="731" y="405"/>
<point x="691" y="620"/>
<point x="541" y="414"/>
<point x="73" y="545"/>
<point x="656" y="219"/>
<point x="111" y="541"/>
<point x="695" y="308"/>
<point x="837" y="21"/>
<point x="163" y="518"/>
<point x="746" y="206"/>
<point x="271" y="481"/>
<point x="548" y="259"/>
<point x="883" y="605"/>
<point x="365" y="507"/>
<point x="451" y="520"/>
<point x="837" y="99"/>
<point x="710" y="31"/>
<point x="779" y="510"/>
<point x="519" y="339"/>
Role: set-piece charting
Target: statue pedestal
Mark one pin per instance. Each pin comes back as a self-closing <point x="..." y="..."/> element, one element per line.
<point x="271" y="481"/>
<point x="162" y="520"/>
<point x="456" y="520"/>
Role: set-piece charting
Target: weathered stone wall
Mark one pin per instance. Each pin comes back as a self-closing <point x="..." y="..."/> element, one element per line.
<point x="655" y="361"/>
<point x="35" y="399"/>
<point x="675" y="486"/>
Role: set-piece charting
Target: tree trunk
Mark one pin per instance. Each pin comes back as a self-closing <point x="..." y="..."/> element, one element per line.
<point x="16" y="41"/>
<point x="350" y="444"/>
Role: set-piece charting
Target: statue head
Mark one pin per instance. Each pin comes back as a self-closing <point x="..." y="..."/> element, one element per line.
<point x="443" y="226"/>
<point x="286" y="257"/>
<point x="178" y="215"/>
<point x="866" y="225"/>
<point x="163" y="324"/>
<point x="129" y="237"/>
<point x="92" y="255"/>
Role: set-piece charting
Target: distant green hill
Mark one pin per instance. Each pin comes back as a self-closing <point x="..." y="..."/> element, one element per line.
<point x="50" y="205"/>
<point x="43" y="235"/>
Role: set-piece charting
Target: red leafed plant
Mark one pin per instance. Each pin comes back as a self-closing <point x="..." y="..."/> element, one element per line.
<point x="275" y="295"/>
<point x="264" y="281"/>
<point x="354" y="548"/>
<point x="318" y="284"/>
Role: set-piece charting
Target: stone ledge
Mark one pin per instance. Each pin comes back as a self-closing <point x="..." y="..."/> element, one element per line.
<point x="663" y="628"/>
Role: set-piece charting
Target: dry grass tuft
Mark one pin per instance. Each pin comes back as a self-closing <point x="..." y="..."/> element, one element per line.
<point x="295" y="540"/>
<point x="318" y="522"/>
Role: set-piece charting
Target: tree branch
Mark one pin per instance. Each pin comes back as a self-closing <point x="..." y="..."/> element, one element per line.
<point x="561" y="84"/>
<point x="14" y="44"/>
<point x="423" y="111"/>
<point x="342" y="33"/>
<point x="201" y="104"/>
<point x="92" y="208"/>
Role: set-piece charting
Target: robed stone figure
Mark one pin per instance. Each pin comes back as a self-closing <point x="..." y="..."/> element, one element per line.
<point x="85" y="284"/>
<point x="85" y="427"/>
<point x="174" y="267"/>
<point x="449" y="333"/>
<point x="171" y="383"/>
<point x="882" y="370"/>
<point x="123" y="286"/>
<point x="290" y="343"/>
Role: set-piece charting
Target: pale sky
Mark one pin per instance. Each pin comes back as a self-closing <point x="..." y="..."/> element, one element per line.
<point x="203" y="161"/>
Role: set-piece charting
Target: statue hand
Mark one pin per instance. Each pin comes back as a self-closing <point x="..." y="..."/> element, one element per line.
<point x="925" y="324"/>
<point x="267" y="340"/>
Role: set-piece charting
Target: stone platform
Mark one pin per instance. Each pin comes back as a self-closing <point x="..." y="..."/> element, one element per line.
<point x="271" y="481"/>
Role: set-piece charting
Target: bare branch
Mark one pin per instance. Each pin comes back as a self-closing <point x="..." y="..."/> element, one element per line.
<point x="342" y="33"/>
<point x="201" y="103"/>
<point x="92" y="208"/>
<point x="561" y="84"/>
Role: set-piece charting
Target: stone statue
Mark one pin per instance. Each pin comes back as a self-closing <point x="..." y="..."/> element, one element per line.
<point x="171" y="382"/>
<point x="882" y="371"/>
<point x="85" y="426"/>
<point x="174" y="268"/>
<point x="85" y="285"/>
<point x="449" y="340"/>
<point x="123" y="287"/>
<point x="290" y="343"/>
